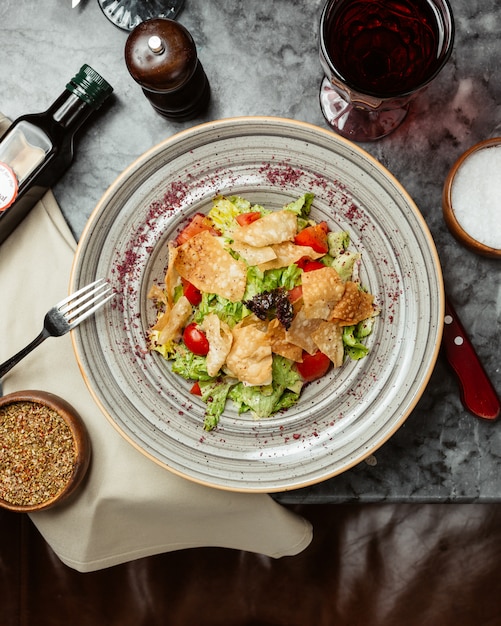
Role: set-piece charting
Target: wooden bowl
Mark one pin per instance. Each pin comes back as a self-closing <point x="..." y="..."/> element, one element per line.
<point x="45" y="450"/>
<point x="449" y="214"/>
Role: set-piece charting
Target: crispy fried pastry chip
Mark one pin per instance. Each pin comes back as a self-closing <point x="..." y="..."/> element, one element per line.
<point x="157" y="293"/>
<point x="276" y="335"/>
<point x="253" y="255"/>
<point x="322" y="290"/>
<point x="287" y="253"/>
<point x="300" y="331"/>
<point x="355" y="305"/>
<point x="250" y="358"/>
<point x="272" y="228"/>
<point x="171" y="323"/>
<point x="329" y="339"/>
<point x="206" y="264"/>
<point x="220" y="338"/>
<point x="171" y="275"/>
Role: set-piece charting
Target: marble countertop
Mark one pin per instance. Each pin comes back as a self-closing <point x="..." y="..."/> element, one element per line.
<point x="261" y="58"/>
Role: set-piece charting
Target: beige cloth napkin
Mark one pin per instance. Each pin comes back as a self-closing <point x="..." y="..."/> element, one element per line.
<point x="129" y="506"/>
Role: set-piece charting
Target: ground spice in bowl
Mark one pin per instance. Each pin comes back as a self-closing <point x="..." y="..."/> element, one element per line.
<point x="44" y="450"/>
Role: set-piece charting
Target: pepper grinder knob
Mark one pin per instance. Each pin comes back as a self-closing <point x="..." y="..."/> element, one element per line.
<point x="161" y="57"/>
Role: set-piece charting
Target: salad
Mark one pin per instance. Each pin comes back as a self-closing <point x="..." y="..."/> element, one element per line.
<point x="257" y="303"/>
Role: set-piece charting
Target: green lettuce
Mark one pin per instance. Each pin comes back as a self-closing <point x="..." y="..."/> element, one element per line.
<point x="214" y="394"/>
<point x="352" y="339"/>
<point x="227" y="311"/>
<point x="302" y="206"/>
<point x="259" y="281"/>
<point x="266" y="400"/>
<point x="338" y="242"/>
<point x="188" y="365"/>
<point x="345" y="263"/>
<point x="225" y="210"/>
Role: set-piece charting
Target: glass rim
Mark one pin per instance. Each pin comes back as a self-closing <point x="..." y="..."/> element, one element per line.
<point x="447" y="48"/>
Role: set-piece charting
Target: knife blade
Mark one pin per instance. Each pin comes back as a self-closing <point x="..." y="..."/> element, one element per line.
<point x="477" y="391"/>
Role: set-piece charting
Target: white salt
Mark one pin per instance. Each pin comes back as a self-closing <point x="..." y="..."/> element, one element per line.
<point x="476" y="196"/>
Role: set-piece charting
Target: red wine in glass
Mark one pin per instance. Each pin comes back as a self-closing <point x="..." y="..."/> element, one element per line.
<point x="377" y="54"/>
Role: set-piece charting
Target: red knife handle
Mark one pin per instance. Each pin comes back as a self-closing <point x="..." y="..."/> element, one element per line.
<point x="477" y="392"/>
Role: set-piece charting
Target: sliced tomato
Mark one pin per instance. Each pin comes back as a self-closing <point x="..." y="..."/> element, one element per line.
<point x="198" y="223"/>
<point x="195" y="340"/>
<point x="195" y="390"/>
<point x="303" y="262"/>
<point x="193" y="294"/>
<point x="313" y="366"/>
<point x="313" y="265"/>
<point x="295" y="293"/>
<point x="244" y="219"/>
<point x="308" y="265"/>
<point x="315" y="237"/>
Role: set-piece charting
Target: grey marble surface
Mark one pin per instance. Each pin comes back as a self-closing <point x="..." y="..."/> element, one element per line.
<point x="262" y="59"/>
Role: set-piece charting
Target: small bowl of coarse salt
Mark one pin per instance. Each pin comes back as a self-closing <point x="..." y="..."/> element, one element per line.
<point x="471" y="198"/>
<point x="44" y="450"/>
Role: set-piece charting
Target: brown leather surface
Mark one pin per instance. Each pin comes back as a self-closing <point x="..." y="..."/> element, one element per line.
<point x="368" y="565"/>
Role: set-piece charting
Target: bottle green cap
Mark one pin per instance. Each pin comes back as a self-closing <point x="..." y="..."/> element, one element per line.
<point x="90" y="86"/>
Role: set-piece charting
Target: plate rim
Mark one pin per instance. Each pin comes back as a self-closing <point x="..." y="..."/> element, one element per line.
<point x="330" y="136"/>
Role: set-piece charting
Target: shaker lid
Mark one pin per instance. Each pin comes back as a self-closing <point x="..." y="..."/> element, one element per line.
<point x="90" y="86"/>
<point x="160" y="54"/>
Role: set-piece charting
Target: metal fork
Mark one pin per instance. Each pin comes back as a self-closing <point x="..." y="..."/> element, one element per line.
<point x="65" y="316"/>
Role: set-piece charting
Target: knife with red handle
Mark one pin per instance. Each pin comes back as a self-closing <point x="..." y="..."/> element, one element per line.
<point x="477" y="392"/>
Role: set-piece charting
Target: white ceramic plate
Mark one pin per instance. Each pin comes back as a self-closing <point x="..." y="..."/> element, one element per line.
<point x="340" y="419"/>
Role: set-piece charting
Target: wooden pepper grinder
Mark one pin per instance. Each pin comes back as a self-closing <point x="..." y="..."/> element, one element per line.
<point x="161" y="57"/>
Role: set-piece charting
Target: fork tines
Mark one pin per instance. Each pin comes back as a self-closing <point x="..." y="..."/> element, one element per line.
<point x="85" y="301"/>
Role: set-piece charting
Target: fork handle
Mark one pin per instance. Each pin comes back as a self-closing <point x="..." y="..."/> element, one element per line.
<point x="14" y="360"/>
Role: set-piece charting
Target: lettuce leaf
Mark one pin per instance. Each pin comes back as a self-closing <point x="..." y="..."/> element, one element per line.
<point x="302" y="206"/>
<point x="188" y="365"/>
<point x="344" y="264"/>
<point x="214" y="394"/>
<point x="338" y="242"/>
<point x="259" y="281"/>
<point x="353" y="347"/>
<point x="265" y="401"/>
<point x="225" y="210"/>
<point x="227" y="311"/>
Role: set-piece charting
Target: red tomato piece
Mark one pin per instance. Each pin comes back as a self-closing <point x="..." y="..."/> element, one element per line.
<point x="244" y="219"/>
<point x="303" y="262"/>
<point x="193" y="294"/>
<point x="198" y="223"/>
<point x="195" y="390"/>
<point x="315" y="237"/>
<point x="308" y="265"/>
<point x="313" y="366"/>
<point x="313" y="265"/>
<point x="295" y="293"/>
<point x="195" y="340"/>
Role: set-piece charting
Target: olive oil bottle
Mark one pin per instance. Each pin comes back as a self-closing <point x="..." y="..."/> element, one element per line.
<point x="37" y="148"/>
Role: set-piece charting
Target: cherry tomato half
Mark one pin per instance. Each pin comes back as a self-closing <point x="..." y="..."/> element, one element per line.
<point x="244" y="219"/>
<point x="313" y="366"/>
<point x="315" y="237"/>
<point x="195" y="340"/>
<point x="193" y="294"/>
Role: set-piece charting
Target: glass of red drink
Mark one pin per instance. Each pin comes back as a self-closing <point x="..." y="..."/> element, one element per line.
<point x="377" y="55"/>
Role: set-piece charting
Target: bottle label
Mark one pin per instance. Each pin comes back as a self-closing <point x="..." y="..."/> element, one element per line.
<point x="8" y="186"/>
